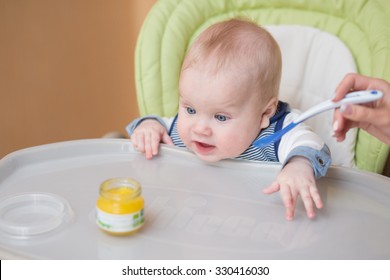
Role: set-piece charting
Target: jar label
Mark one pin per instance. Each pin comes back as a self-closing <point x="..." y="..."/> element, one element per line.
<point x="119" y="223"/>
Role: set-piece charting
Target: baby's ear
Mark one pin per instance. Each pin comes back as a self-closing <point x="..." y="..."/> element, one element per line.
<point x="268" y="112"/>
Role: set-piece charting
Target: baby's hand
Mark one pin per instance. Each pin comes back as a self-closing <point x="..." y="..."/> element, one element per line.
<point x="297" y="178"/>
<point x="147" y="136"/>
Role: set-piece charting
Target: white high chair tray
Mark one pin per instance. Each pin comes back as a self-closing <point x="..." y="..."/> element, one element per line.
<point x="193" y="210"/>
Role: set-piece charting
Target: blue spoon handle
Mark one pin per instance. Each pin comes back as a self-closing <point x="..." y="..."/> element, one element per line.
<point x="274" y="137"/>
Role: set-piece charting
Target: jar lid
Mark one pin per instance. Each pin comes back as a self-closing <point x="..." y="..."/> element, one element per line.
<point x="32" y="214"/>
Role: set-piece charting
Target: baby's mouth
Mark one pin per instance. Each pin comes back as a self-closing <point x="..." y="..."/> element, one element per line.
<point x="203" y="147"/>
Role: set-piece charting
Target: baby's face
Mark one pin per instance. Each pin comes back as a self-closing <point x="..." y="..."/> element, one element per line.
<point x="219" y="116"/>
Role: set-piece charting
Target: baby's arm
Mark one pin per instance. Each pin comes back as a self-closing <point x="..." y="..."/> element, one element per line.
<point x="146" y="134"/>
<point x="305" y="157"/>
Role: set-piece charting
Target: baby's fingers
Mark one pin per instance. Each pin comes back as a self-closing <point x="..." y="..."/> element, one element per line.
<point x="152" y="142"/>
<point x="311" y="197"/>
<point x="166" y="139"/>
<point x="308" y="203"/>
<point x="316" y="197"/>
<point x="137" y="139"/>
<point x="274" y="187"/>
<point x="289" y="200"/>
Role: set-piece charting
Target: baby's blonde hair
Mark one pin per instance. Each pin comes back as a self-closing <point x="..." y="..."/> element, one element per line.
<point x="240" y="45"/>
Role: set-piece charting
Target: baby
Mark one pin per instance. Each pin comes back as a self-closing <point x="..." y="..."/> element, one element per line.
<point x="229" y="86"/>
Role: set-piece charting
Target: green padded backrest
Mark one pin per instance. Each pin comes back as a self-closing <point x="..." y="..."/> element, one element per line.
<point x="171" y="26"/>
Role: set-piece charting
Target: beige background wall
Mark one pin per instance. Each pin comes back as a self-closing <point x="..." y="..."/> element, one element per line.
<point x="66" y="69"/>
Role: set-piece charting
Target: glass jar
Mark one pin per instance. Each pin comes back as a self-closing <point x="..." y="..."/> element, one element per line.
<point x="120" y="207"/>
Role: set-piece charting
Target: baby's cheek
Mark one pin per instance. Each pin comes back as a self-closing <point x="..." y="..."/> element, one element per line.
<point x="234" y="144"/>
<point x="183" y="132"/>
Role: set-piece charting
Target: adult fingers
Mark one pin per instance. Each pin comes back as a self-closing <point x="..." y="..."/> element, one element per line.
<point x="350" y="83"/>
<point x="358" y="113"/>
<point x="340" y="126"/>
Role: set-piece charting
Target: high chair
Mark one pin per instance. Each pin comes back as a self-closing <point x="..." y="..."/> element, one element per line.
<point x="321" y="41"/>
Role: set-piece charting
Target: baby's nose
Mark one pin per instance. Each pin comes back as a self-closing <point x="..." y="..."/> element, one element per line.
<point x="202" y="127"/>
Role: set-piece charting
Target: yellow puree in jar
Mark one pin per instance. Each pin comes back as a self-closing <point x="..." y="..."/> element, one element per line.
<point x="123" y="205"/>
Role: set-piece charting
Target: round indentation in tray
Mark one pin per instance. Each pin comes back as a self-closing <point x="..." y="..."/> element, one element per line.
<point x="32" y="214"/>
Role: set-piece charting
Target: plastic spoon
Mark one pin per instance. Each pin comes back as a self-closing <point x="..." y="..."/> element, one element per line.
<point x="356" y="97"/>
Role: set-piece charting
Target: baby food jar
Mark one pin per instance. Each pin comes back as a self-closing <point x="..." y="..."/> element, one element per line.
<point x="120" y="207"/>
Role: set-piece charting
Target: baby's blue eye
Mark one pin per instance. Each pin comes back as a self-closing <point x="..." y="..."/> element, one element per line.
<point x="221" y="118"/>
<point x="191" y="111"/>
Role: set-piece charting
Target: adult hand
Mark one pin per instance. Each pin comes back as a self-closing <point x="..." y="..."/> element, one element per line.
<point x="373" y="117"/>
